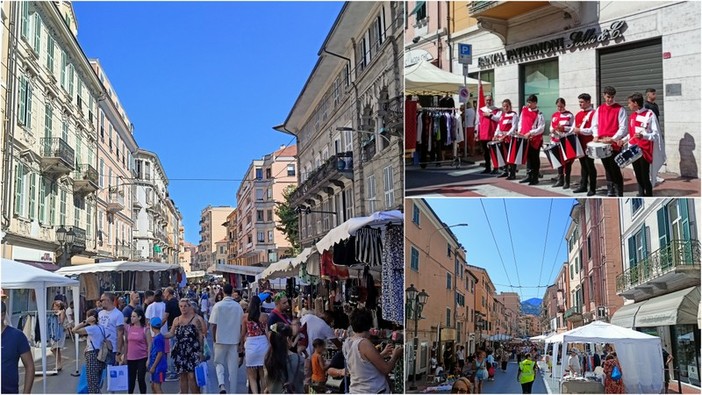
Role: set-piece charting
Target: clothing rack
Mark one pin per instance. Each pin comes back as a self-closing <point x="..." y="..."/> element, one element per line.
<point x="38" y="347"/>
<point x="456" y="161"/>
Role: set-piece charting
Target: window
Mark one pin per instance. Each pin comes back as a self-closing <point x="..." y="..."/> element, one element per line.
<point x="259" y="173"/>
<point x="589" y="249"/>
<point x="577" y="264"/>
<point x="102" y="173"/>
<point x="50" y="54"/>
<point x="70" y="81"/>
<point x="76" y="216"/>
<point x="571" y="272"/>
<point x="62" y="208"/>
<point x="415" y="214"/>
<point x="42" y="199"/>
<point x="25" y="105"/>
<point x="389" y="187"/>
<point x="37" y="33"/>
<point x="291" y="170"/>
<point x="636" y="204"/>
<point x="260" y="237"/>
<point x="348" y="202"/>
<point x="448" y="317"/>
<point x="421" y="10"/>
<point x="449" y="281"/>
<point x="259" y="194"/>
<point x="259" y="215"/>
<point x="25" y="19"/>
<point x="270" y="236"/>
<point x="269" y="215"/>
<point x="414" y="259"/>
<point x="370" y="193"/>
<point x="19" y="189"/>
<point x="448" y="251"/>
<point x="32" y="195"/>
<point x="88" y="220"/>
<point x="542" y="79"/>
<point x="348" y="141"/>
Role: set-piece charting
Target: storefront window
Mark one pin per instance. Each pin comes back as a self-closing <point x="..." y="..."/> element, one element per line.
<point x="541" y="79"/>
<point x="686" y="351"/>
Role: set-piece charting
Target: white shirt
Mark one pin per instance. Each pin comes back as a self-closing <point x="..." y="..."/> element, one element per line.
<point x="459" y="355"/>
<point x="513" y="127"/>
<point x="268" y="307"/>
<point x="538" y="128"/>
<point x="574" y="363"/>
<point x="621" y="118"/>
<point x="651" y="125"/>
<point x="583" y="129"/>
<point x="95" y="337"/>
<point x="317" y="328"/>
<point x="227" y="314"/>
<point x="109" y="321"/>
<point x="157" y="309"/>
<point x="204" y="305"/>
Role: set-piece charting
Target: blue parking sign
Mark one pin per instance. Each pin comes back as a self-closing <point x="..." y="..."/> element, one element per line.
<point x="465" y="53"/>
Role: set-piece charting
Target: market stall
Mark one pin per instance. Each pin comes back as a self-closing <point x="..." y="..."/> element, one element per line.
<point x="639" y="354"/>
<point x="424" y="78"/>
<point x="15" y="275"/>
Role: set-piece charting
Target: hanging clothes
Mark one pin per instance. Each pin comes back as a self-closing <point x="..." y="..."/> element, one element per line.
<point x="314" y="265"/>
<point x="56" y="331"/>
<point x="393" y="275"/>
<point x="345" y="252"/>
<point x="331" y="271"/>
<point x="90" y="286"/>
<point x="369" y="246"/>
<point x="372" y="298"/>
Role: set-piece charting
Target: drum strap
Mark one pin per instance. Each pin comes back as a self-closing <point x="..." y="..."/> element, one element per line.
<point x="587" y="118"/>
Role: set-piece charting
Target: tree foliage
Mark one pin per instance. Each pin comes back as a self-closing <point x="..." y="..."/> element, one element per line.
<point x="288" y="219"/>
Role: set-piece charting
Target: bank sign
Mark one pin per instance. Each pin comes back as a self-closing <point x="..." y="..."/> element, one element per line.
<point x="577" y="39"/>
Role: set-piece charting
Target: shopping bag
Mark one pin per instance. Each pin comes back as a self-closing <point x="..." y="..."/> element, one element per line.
<point x="82" y="387"/>
<point x="201" y="374"/>
<point x="117" y="378"/>
<point x="491" y="371"/>
<point x="616" y="373"/>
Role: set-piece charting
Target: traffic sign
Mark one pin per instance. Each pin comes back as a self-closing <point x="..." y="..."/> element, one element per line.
<point x="465" y="53"/>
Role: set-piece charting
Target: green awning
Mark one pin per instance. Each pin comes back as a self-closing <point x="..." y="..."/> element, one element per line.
<point x="417" y="7"/>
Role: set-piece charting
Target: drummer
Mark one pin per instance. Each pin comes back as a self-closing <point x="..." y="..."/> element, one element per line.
<point x="507" y="121"/>
<point x="532" y="126"/>
<point x="561" y="122"/>
<point x="582" y="127"/>
<point x="486" y="126"/>
<point x="609" y="126"/>
<point x="643" y="129"/>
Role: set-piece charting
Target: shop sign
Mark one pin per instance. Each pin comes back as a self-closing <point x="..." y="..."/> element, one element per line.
<point x="415" y="56"/>
<point x="31" y="254"/>
<point x="448" y="334"/>
<point x="576" y="39"/>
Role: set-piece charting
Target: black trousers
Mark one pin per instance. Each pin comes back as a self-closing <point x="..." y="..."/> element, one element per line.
<point x="526" y="387"/>
<point x="642" y="169"/>
<point x="565" y="169"/>
<point x="136" y="370"/>
<point x="486" y="154"/>
<point x="588" y="173"/>
<point x="613" y="173"/>
<point x="533" y="163"/>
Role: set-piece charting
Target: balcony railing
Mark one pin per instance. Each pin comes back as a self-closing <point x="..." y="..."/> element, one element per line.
<point x="123" y="251"/>
<point x="679" y="253"/>
<point x="57" y="157"/>
<point x="79" y="242"/>
<point x="577" y="310"/>
<point x="334" y="168"/>
<point x="478" y="6"/>
<point x="85" y="179"/>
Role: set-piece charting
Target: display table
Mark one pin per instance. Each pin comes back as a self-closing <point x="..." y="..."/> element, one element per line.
<point x="581" y="386"/>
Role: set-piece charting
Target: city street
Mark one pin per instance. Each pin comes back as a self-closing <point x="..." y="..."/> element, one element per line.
<point x="467" y="181"/>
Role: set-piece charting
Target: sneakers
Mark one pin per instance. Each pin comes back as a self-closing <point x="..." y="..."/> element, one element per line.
<point x="172" y="377"/>
<point x="222" y="390"/>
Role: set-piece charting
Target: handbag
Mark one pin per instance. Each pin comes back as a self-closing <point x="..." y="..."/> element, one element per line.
<point x="616" y="373"/>
<point x="105" y="352"/>
<point x="117" y="377"/>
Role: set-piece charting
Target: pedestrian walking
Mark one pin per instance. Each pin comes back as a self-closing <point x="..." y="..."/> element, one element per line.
<point x="667" y="359"/>
<point x="171" y="312"/>
<point x="112" y="322"/>
<point x="128" y="309"/>
<point x="280" y="312"/>
<point x="57" y="331"/>
<point x="613" y="383"/>
<point x="461" y="357"/>
<point x="15" y="346"/>
<point x="527" y="373"/>
<point x="491" y="365"/>
<point x="504" y="360"/>
<point x="255" y="345"/>
<point x="228" y="316"/>
<point x="157" y="356"/>
<point x="136" y="350"/>
<point x="96" y="335"/>
<point x="480" y="371"/>
<point x="189" y="332"/>
<point x="284" y="368"/>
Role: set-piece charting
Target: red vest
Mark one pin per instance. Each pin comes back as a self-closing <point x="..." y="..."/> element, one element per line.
<point x="487" y="126"/>
<point x="560" y="118"/>
<point x="608" y="120"/>
<point x="527" y="119"/>
<point x="645" y="145"/>
<point x="579" y="117"/>
<point x="506" y="120"/>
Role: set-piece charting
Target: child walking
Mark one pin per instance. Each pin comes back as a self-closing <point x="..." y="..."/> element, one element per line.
<point x="157" y="359"/>
<point x="319" y="366"/>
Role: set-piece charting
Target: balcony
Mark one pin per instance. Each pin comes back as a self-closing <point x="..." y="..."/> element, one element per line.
<point x="85" y="180"/>
<point x="123" y="252"/>
<point x="135" y="202"/>
<point x="673" y="267"/>
<point x="116" y="201"/>
<point x="573" y="314"/>
<point x="334" y="171"/>
<point x="57" y="157"/>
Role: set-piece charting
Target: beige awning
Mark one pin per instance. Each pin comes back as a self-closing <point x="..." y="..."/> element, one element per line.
<point x="676" y="308"/>
<point x="625" y="315"/>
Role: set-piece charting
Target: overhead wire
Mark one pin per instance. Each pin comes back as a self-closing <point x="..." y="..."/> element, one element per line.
<point x="494" y="239"/>
<point x="543" y="256"/>
<point x="555" y="259"/>
<point x="511" y="241"/>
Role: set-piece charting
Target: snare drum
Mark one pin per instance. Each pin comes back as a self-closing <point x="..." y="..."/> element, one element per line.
<point x="496" y="153"/>
<point x="596" y="150"/>
<point x="517" y="151"/>
<point x="553" y="154"/>
<point x="629" y="155"/>
<point x="571" y="147"/>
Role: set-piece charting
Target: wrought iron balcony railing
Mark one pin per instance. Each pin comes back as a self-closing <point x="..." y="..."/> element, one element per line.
<point x="576" y="310"/>
<point x="58" y="155"/>
<point x="478" y="6"/>
<point x="678" y="253"/>
<point x="336" y="165"/>
<point x="80" y="240"/>
<point x="85" y="179"/>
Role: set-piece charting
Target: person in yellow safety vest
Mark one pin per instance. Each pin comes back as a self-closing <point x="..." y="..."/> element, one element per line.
<point x="527" y="373"/>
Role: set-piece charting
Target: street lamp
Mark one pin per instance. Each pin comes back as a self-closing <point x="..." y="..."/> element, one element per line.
<point x="348" y="129"/>
<point x="415" y="304"/>
<point x="66" y="240"/>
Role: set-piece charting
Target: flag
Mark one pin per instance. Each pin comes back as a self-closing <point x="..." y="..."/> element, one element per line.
<point x="481" y="94"/>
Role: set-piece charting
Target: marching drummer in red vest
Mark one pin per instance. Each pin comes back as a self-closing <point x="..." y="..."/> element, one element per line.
<point x="609" y="126"/>
<point x="643" y="129"/>
<point x="507" y="121"/>
<point x="486" y="127"/>
<point x="561" y="122"/>
<point x="582" y="127"/>
<point x="531" y="125"/>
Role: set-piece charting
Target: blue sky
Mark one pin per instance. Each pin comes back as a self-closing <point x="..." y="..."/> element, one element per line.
<point x="205" y="82"/>
<point x="529" y="224"/>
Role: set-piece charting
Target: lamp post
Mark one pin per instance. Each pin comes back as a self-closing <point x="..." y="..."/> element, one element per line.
<point x="66" y="240"/>
<point x="415" y="304"/>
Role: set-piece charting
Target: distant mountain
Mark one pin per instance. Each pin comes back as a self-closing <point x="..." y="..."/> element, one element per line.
<point x="532" y="306"/>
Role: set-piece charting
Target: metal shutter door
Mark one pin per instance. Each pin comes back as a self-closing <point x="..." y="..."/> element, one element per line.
<point x="632" y="68"/>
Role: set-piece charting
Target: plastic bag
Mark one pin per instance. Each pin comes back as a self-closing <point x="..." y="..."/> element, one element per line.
<point x="117" y="378"/>
<point x="201" y="374"/>
<point x="616" y="373"/>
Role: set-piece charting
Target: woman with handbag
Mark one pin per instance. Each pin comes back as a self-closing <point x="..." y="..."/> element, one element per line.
<point x="136" y="350"/>
<point x="284" y="368"/>
<point x="96" y="336"/>
<point x="481" y="372"/>
<point x="613" y="375"/>
<point x="188" y="330"/>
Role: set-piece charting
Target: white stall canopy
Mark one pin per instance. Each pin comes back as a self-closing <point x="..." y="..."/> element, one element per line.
<point x="424" y="78"/>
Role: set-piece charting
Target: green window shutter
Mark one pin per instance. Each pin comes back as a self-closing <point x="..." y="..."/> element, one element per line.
<point x="684" y="218"/>
<point x="571" y="272"/>
<point x="88" y="220"/>
<point x="64" y="131"/>
<point x="63" y="69"/>
<point x="24" y="5"/>
<point x="28" y="116"/>
<point x="22" y="114"/>
<point x="79" y="150"/>
<point x="37" y="33"/>
<point x="42" y="200"/>
<point x="52" y="203"/>
<point x="50" y="54"/>
<point x="632" y="251"/>
<point x="70" y="81"/>
<point x="76" y="217"/>
<point x="644" y="240"/>
<point x="19" y="188"/>
<point x="663" y="228"/>
<point x="48" y="121"/>
<point x="32" y="195"/>
<point x="62" y="213"/>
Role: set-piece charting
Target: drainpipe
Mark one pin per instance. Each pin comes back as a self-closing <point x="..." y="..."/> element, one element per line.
<point x="438" y="36"/>
<point x="10" y="113"/>
<point x="448" y="34"/>
<point x="358" y="161"/>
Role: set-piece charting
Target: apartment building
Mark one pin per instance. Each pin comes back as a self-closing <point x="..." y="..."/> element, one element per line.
<point x="233" y="241"/>
<point x="661" y="277"/>
<point x="563" y="301"/>
<point x="574" y="314"/>
<point x="437" y="265"/>
<point x="171" y="248"/>
<point x="485" y="319"/>
<point x="513" y="308"/>
<point x="348" y="121"/>
<point x="211" y="231"/>
<point x="116" y="170"/>
<point x="259" y="242"/>
<point x="49" y="163"/>
<point x="221" y="252"/>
